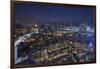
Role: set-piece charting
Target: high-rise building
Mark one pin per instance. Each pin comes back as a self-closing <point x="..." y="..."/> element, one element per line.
<point x="35" y="29"/>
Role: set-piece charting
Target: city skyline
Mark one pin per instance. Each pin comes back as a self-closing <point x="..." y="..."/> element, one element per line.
<point x="30" y="13"/>
<point x="47" y="34"/>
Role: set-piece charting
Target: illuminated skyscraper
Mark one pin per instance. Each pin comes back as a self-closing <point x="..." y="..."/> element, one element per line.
<point x="35" y="29"/>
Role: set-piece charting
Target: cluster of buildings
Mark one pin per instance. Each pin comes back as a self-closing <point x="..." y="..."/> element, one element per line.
<point x="54" y="28"/>
<point x="39" y="40"/>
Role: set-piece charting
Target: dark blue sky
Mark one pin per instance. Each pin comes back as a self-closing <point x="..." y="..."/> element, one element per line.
<point x="28" y="13"/>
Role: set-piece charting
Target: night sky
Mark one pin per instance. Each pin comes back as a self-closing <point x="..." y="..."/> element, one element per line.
<point x="28" y="13"/>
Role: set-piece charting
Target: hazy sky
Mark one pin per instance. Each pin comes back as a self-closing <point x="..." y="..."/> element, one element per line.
<point x="28" y="13"/>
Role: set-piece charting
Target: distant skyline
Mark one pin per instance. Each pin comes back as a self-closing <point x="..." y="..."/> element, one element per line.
<point x="28" y="13"/>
